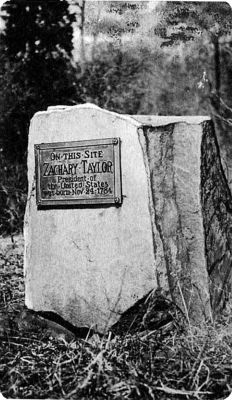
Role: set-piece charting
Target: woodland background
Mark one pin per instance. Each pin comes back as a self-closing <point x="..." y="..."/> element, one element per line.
<point x="134" y="57"/>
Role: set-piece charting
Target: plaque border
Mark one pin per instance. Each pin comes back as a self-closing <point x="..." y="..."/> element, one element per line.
<point x="115" y="200"/>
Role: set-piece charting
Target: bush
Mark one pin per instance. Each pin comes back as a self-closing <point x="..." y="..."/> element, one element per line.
<point x="13" y="188"/>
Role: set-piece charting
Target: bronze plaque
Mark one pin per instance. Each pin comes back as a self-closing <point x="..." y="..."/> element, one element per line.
<point x="83" y="172"/>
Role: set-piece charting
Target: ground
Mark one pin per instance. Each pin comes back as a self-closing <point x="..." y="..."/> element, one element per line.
<point x="172" y="362"/>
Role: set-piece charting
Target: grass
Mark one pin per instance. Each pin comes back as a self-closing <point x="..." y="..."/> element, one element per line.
<point x="160" y="364"/>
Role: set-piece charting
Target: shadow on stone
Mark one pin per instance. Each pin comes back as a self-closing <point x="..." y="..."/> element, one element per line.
<point x="50" y="324"/>
<point x="153" y="312"/>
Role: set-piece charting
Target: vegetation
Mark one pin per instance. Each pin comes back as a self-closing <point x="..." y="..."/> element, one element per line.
<point x="13" y="194"/>
<point x="35" y="71"/>
<point x="36" y="46"/>
<point x="129" y="57"/>
<point x="166" y="363"/>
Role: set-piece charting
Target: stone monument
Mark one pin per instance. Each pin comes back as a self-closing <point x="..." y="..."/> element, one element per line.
<point x="121" y="205"/>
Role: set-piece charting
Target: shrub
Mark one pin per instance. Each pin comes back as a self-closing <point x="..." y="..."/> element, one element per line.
<point x="13" y="188"/>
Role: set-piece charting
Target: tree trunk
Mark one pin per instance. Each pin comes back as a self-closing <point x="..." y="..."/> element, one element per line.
<point x="82" y="32"/>
<point x="217" y="67"/>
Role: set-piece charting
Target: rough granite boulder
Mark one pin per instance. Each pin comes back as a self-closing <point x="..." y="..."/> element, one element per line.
<point x="192" y="210"/>
<point x="171" y="232"/>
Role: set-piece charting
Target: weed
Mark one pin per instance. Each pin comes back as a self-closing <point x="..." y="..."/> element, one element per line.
<point x="152" y="364"/>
